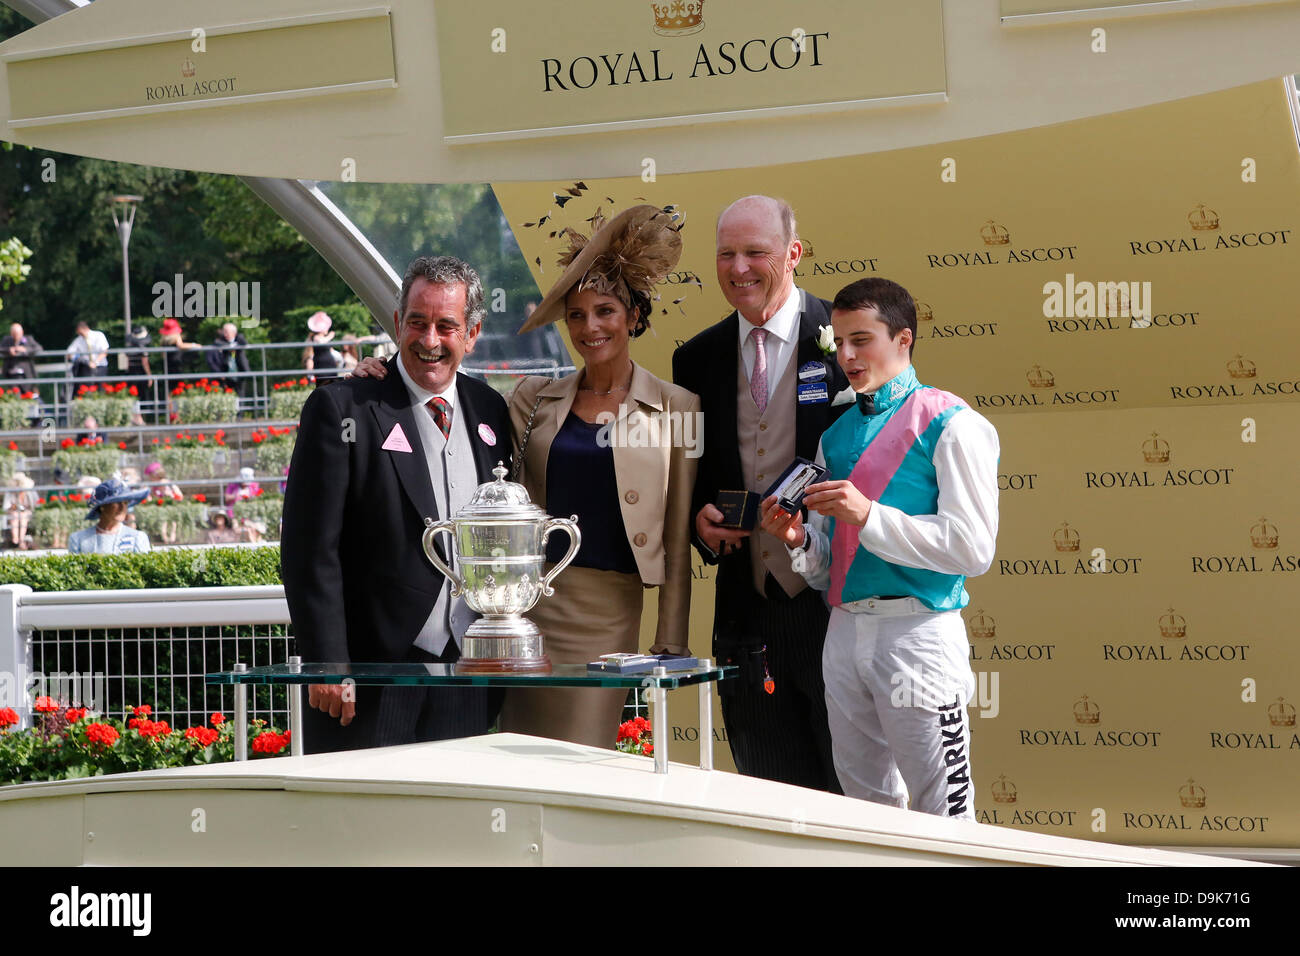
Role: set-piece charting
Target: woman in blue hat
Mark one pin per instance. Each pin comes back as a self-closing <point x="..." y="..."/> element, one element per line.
<point x="110" y="502"/>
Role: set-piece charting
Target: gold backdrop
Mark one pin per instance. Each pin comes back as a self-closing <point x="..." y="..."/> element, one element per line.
<point x="1134" y="640"/>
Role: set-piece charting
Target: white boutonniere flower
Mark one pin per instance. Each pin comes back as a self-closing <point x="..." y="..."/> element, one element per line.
<point x="826" y="339"/>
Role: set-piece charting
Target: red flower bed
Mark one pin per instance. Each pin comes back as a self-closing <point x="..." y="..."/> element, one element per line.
<point x="203" y="385"/>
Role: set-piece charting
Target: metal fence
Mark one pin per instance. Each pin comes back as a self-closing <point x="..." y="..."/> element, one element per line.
<point x="269" y="363"/>
<point x="111" y="650"/>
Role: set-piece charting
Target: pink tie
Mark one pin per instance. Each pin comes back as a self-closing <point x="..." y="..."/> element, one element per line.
<point x="758" y="381"/>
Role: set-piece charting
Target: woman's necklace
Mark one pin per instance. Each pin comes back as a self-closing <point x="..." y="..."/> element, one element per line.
<point x="616" y="388"/>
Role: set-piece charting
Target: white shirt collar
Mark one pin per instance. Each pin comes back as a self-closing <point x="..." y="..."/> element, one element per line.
<point x="783" y="324"/>
<point x="421" y="396"/>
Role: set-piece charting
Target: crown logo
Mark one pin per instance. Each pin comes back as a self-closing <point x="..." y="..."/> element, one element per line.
<point x="1155" y="450"/>
<point x="1086" y="711"/>
<point x="678" y="19"/>
<point x="1004" y="791"/>
<point x="1263" y="535"/>
<point x="924" y="313"/>
<point x="1281" y="714"/>
<point x="1241" y="368"/>
<point x="807" y="249"/>
<point x="1065" y="538"/>
<point x="994" y="234"/>
<point x="1192" y="795"/>
<point x="187" y="68"/>
<point x="982" y="626"/>
<point x="1040" y="377"/>
<point x="1173" y="626"/>
<point x="1202" y="219"/>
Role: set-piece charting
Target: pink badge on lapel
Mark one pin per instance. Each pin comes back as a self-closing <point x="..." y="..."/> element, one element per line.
<point x="486" y="433"/>
<point x="396" y="440"/>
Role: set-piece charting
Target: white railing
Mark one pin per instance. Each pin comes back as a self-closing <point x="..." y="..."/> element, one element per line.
<point x="111" y="649"/>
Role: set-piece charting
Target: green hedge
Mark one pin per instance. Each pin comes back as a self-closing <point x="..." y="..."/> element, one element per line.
<point x="109" y="411"/>
<point x="274" y="454"/>
<point x="212" y="567"/>
<point x="14" y="414"/>
<point x="97" y="460"/>
<point x="345" y="317"/>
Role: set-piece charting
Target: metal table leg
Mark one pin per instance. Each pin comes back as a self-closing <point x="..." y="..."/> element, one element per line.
<point x="241" y="717"/>
<point x="706" y="720"/>
<point x="295" y="709"/>
<point x="659" y="727"/>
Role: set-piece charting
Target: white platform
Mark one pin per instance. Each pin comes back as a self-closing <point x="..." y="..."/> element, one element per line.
<point x="498" y="799"/>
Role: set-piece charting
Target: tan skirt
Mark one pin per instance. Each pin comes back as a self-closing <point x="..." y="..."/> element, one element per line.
<point x="591" y="613"/>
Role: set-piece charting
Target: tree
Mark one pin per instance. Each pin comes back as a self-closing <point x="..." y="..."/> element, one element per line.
<point x="13" y="268"/>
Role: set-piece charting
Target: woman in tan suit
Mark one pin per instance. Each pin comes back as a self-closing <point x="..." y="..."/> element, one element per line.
<point x="607" y="443"/>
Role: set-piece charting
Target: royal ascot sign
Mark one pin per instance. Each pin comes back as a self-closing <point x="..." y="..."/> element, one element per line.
<point x="214" y="65"/>
<point x="512" y="70"/>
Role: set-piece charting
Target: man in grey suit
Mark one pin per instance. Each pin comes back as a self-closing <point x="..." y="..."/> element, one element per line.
<point x="765" y="390"/>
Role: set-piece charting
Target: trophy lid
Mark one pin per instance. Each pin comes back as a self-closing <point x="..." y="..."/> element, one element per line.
<point x="500" y="499"/>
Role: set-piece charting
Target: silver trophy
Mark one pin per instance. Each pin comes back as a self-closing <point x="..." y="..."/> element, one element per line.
<point x="499" y="544"/>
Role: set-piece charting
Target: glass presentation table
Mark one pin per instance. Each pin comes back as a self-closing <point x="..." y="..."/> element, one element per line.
<point x="295" y="674"/>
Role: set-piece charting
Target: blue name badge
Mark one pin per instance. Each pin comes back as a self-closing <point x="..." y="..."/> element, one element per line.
<point x="812" y="371"/>
<point x="813" y="393"/>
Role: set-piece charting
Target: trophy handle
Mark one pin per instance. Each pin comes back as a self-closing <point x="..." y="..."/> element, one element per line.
<point x="575" y="539"/>
<point x="431" y="531"/>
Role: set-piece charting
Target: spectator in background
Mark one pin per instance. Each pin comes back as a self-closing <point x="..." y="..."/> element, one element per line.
<point x="384" y="346"/>
<point x="87" y="355"/>
<point x="320" y="357"/>
<point x="172" y="337"/>
<point x="219" y="529"/>
<point x="226" y="357"/>
<point x="18" y="351"/>
<point x="162" y="488"/>
<point x="137" y="364"/>
<point x="110" y="503"/>
<point x="243" y="489"/>
<point x="350" y="356"/>
<point x="252" y="530"/>
<point x="19" y="502"/>
<point x="89" y="430"/>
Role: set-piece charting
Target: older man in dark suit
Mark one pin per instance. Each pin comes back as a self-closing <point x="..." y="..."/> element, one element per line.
<point x="373" y="460"/>
<point x="227" y="355"/>
<point x="766" y="390"/>
<point x="18" y="351"/>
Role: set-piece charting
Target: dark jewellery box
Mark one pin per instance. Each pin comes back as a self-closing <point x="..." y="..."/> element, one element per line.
<point x="794" y="481"/>
<point x="740" y="508"/>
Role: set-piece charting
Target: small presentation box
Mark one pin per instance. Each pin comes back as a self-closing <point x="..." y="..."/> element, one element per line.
<point x="794" y="481"/>
<point x="739" y="509"/>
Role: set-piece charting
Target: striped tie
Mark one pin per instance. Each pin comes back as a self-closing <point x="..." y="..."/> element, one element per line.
<point x="758" y="381"/>
<point x="441" y="412"/>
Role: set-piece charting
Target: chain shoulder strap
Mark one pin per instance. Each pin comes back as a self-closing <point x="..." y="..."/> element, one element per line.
<point x="523" y="444"/>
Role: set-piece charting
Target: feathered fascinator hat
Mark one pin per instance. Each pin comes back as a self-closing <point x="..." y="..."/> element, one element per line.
<point x="625" y="257"/>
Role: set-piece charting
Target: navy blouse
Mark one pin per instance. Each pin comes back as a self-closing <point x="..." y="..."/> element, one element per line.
<point x="580" y="481"/>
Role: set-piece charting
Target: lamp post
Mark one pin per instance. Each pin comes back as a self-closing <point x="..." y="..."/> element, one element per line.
<point x="127" y="205"/>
